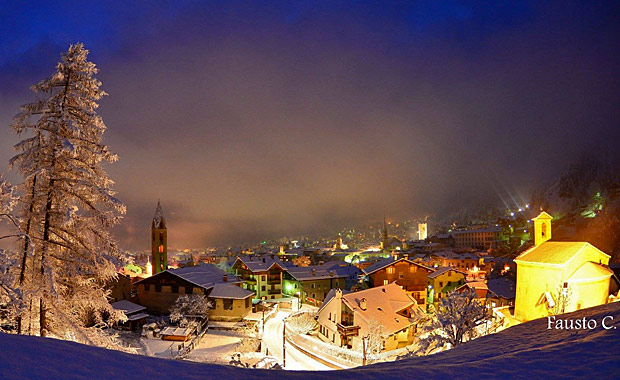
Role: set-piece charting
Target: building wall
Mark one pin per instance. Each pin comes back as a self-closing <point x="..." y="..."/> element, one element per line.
<point x="532" y="282"/>
<point x="160" y="302"/>
<point x="588" y="294"/>
<point x="327" y="319"/>
<point x="240" y="309"/>
<point x="159" y="241"/>
<point x="413" y="278"/>
<point x="263" y="284"/>
<point x="442" y="284"/>
<point x="480" y="240"/>
<point x="120" y="288"/>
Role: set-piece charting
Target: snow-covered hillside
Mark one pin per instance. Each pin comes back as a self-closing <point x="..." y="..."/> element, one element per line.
<point x="528" y="350"/>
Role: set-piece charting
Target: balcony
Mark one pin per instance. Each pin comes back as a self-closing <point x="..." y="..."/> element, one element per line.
<point x="273" y="279"/>
<point x="274" y="291"/>
<point x="347" y="330"/>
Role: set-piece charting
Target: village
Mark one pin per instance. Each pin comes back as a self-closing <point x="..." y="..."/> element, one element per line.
<point x="311" y="309"/>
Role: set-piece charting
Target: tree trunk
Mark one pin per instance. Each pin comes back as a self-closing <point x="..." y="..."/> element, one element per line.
<point x="42" y="318"/>
<point x="22" y="272"/>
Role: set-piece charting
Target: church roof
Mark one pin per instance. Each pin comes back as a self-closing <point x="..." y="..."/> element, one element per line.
<point x="543" y="215"/>
<point x="555" y="252"/>
<point x="590" y="271"/>
<point x="158" y="219"/>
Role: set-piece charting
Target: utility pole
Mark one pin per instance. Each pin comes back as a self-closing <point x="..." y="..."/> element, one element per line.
<point x="263" y="307"/>
<point x="284" y="345"/>
<point x="364" y="349"/>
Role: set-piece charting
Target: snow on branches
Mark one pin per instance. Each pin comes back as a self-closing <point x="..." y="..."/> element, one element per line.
<point x="68" y="203"/>
<point x="458" y="319"/>
<point x="189" y="307"/>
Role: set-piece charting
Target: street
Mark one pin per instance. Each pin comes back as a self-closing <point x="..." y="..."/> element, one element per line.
<point x="295" y="360"/>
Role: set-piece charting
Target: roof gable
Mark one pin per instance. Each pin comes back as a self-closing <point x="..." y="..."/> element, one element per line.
<point x="555" y="252"/>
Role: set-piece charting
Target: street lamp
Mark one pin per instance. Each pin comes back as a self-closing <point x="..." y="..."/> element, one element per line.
<point x="262" y="302"/>
<point x="364" y="346"/>
<point x="283" y="344"/>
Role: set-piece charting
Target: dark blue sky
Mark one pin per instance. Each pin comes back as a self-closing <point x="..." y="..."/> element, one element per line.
<point x="261" y="119"/>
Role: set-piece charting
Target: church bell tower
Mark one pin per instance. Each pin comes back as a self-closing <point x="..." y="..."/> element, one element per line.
<point x="159" y="241"/>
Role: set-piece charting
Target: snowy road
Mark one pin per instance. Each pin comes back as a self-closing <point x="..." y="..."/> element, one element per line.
<point x="295" y="360"/>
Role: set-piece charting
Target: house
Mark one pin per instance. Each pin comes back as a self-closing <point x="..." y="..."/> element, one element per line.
<point x="121" y="288"/>
<point x="442" y="281"/>
<point x="410" y="275"/>
<point x="311" y="284"/>
<point x="160" y="291"/>
<point x="230" y="302"/>
<point x="463" y="261"/>
<point x="261" y="275"/>
<point x="136" y="314"/>
<point x="559" y="277"/>
<point x="345" y="318"/>
<point x="501" y="292"/>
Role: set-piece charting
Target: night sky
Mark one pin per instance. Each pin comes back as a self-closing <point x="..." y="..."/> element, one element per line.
<point x="254" y="120"/>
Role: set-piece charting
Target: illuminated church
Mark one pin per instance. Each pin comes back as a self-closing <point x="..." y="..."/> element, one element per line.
<point x="556" y="277"/>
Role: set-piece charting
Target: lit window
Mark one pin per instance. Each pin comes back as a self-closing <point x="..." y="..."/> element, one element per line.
<point x="385" y="282"/>
<point x="390" y="270"/>
<point x="161" y="248"/>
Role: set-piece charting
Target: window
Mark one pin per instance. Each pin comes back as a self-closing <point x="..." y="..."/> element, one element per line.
<point x="385" y="282"/>
<point x="313" y="295"/>
<point x="161" y="248"/>
<point x="412" y="269"/>
<point x="263" y="278"/>
<point x="174" y="288"/>
<point x="390" y="270"/>
<point x="330" y="316"/>
<point x="312" y="285"/>
<point x="147" y="287"/>
<point x="440" y="284"/>
<point x="401" y="276"/>
<point x="262" y="288"/>
<point x="228" y="304"/>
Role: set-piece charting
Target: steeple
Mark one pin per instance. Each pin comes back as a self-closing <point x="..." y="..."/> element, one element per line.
<point x="159" y="241"/>
<point x="158" y="218"/>
<point x="542" y="228"/>
<point x="384" y="236"/>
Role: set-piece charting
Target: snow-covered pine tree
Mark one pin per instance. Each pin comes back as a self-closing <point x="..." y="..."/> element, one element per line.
<point x="68" y="205"/>
<point x="10" y="298"/>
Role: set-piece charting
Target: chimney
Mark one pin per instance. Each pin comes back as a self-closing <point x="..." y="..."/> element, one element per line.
<point x="363" y="304"/>
<point x="338" y="293"/>
<point x="225" y="277"/>
<point x="264" y="260"/>
<point x="314" y="271"/>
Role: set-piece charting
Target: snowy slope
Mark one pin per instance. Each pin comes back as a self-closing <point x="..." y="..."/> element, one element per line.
<point x="525" y="351"/>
